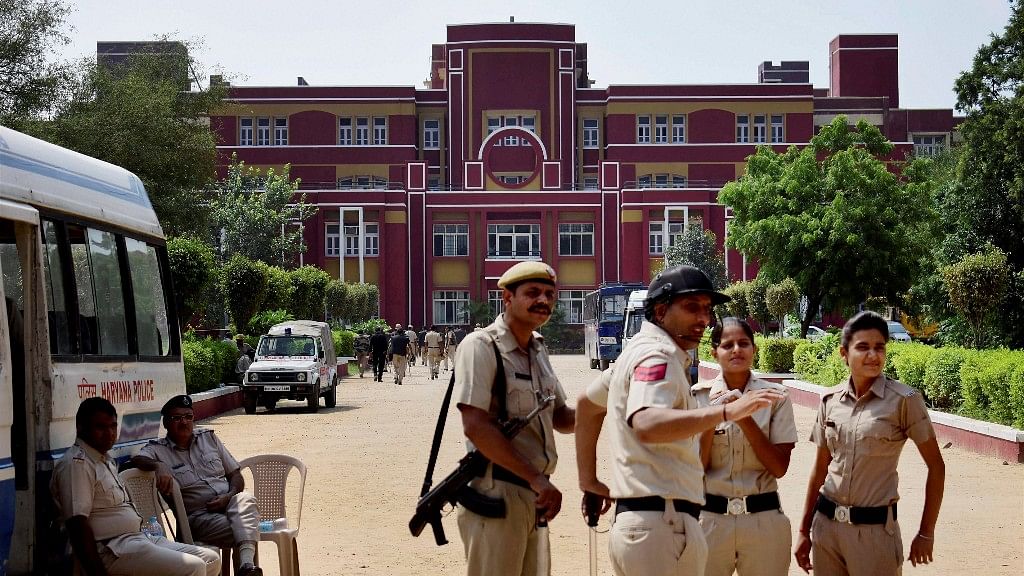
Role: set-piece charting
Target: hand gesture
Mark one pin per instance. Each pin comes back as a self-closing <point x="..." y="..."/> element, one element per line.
<point x="549" y="499"/>
<point x="751" y="402"/>
<point x="921" y="550"/>
<point x="803" y="552"/>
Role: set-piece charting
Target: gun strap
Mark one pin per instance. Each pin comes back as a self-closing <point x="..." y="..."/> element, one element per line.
<point x="499" y="390"/>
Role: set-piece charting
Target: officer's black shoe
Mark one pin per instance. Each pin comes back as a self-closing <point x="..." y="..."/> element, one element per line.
<point x="248" y="569"/>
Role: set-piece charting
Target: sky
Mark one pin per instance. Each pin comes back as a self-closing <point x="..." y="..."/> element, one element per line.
<point x="387" y="42"/>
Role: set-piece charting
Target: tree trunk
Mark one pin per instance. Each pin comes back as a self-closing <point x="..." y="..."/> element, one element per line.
<point x="813" y="303"/>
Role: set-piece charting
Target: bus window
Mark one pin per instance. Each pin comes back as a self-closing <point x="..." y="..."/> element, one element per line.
<point x="100" y="297"/>
<point x="14" y="304"/>
<point x="56" y="303"/>
<point x="614" y="306"/>
<point x="150" y="306"/>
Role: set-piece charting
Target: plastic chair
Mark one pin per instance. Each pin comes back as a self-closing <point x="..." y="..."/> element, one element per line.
<point x="270" y="481"/>
<point x="141" y="487"/>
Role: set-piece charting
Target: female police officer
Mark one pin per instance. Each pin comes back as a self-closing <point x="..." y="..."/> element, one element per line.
<point x="850" y="509"/>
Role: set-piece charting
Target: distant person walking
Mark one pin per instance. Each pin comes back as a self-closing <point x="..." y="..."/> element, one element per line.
<point x="378" y="352"/>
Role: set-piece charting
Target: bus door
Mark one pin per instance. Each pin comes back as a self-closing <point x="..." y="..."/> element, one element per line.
<point x="24" y="359"/>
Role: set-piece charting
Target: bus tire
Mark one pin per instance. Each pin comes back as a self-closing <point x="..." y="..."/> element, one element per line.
<point x="604" y="364"/>
<point x="331" y="398"/>
<point x="249" y="401"/>
<point x="313" y="400"/>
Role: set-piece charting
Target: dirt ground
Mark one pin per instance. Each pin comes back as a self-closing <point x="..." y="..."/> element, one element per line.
<point x="366" y="459"/>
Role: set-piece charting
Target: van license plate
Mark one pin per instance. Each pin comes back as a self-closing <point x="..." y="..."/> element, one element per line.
<point x="276" y="388"/>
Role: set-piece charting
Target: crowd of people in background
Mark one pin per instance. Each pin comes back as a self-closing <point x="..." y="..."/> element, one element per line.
<point x="397" y="350"/>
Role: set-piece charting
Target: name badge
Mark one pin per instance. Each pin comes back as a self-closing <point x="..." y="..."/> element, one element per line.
<point x="522" y="376"/>
<point x="719" y="431"/>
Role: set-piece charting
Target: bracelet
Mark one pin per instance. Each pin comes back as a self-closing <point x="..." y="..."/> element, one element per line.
<point x="919" y="535"/>
<point x="725" y="418"/>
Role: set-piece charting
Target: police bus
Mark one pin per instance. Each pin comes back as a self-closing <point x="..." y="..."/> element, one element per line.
<point x="603" y="311"/>
<point x="87" y="311"/>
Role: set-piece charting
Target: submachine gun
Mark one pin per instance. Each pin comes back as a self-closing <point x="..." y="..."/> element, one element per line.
<point x="454" y="488"/>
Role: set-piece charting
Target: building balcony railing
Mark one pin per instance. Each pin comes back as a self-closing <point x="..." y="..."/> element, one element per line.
<point x="513" y="255"/>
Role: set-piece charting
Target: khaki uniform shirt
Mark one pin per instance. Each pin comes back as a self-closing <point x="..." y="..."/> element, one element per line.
<point x="433" y="341"/>
<point x="735" y="468"/>
<point x="411" y="335"/>
<point x="652" y="373"/>
<point x="85" y="483"/>
<point x="526" y="372"/>
<point x="865" y="437"/>
<point x="201" y="470"/>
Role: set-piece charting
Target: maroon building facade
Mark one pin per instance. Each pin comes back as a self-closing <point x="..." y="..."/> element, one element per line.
<point x="508" y="153"/>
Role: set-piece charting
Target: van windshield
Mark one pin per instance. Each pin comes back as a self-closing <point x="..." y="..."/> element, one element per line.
<point x="634" y="319"/>
<point x="298" y="346"/>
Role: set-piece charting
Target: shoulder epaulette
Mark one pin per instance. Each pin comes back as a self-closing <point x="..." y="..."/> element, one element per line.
<point x="900" y="388"/>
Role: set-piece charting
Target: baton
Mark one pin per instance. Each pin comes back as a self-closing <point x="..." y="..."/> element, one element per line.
<point x="592" y="510"/>
<point x="543" y="546"/>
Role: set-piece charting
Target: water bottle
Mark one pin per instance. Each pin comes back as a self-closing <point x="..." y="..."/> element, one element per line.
<point x="153" y="528"/>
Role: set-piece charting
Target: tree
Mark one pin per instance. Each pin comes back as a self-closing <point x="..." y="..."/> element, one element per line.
<point x="336" y="300"/>
<point x="310" y="285"/>
<point x="757" y="290"/>
<point x="139" y="117"/>
<point x="192" y="270"/>
<point x="279" y="289"/>
<point x="254" y="214"/>
<point x="781" y="299"/>
<point x="245" y="288"/>
<point x="833" y="217"/>
<point x="480" y="312"/>
<point x="699" y="248"/>
<point x="738" y="307"/>
<point x="30" y="85"/>
<point x="975" y="286"/>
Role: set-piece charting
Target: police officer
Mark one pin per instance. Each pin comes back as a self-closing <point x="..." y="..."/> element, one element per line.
<point x="399" y="349"/>
<point x="743" y="522"/>
<point x="434" y="344"/>
<point x="414" y="347"/>
<point x="861" y="427"/>
<point x="362" y="348"/>
<point x="378" y="352"/>
<point x="521" y="466"/>
<point x="219" y="511"/>
<point x="449" y="348"/>
<point x="657" y="476"/>
<point x="102" y="523"/>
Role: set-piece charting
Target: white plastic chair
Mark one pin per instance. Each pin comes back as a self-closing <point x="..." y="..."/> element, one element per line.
<point x="270" y="481"/>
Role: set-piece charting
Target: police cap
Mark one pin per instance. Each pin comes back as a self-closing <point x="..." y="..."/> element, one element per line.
<point x="679" y="281"/>
<point x="179" y="401"/>
<point x="527" y="271"/>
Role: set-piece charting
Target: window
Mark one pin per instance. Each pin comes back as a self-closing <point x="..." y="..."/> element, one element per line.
<point x="643" y="129"/>
<point x="380" y="131"/>
<point x="434" y="183"/>
<point x="742" y="128"/>
<point x="53" y="284"/>
<point x="245" y="132"/>
<point x="451" y="307"/>
<point x="661" y="180"/>
<point x="513" y="240"/>
<point x="777" y="128"/>
<point x="572" y="302"/>
<point x="95" y="258"/>
<point x="576" y="239"/>
<point x="759" y="128"/>
<point x="280" y="131"/>
<point x="591" y="133"/>
<point x="529" y="123"/>
<point x="362" y="131"/>
<point x="371" y="232"/>
<point x="263" y="131"/>
<point x="512" y="179"/>
<point x="495" y="302"/>
<point x="931" y="145"/>
<point x="679" y="129"/>
<point x="451" y="239"/>
<point x="644" y="181"/>
<point x="333" y="241"/>
<point x="152" y="329"/>
<point x="493" y="124"/>
<point x="351" y="240"/>
<point x="345" y="131"/>
<point x="656" y="237"/>
<point x="431" y="133"/>
<point x="678" y="181"/>
<point x="511" y="140"/>
<point x="660" y="129"/>
<point x="590" y="183"/>
<point x="371" y="236"/>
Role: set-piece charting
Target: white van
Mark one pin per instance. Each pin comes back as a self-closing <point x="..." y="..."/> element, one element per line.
<point x="294" y="360"/>
<point x="634" y="315"/>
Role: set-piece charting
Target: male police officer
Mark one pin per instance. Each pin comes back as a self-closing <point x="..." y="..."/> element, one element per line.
<point x="521" y="466"/>
<point x="657" y="475"/>
<point x="414" y="345"/>
<point x="102" y="523"/>
<point x="378" y="352"/>
<point x="219" y="512"/>
<point x="435" y="344"/>
<point x="399" y="349"/>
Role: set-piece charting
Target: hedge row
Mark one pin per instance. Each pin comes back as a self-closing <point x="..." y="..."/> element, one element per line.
<point x="208" y="362"/>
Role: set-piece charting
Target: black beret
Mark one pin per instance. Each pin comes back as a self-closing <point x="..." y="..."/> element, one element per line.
<point x="179" y="401"/>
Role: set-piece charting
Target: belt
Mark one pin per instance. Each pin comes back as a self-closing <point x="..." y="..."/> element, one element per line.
<point x="655" y="504"/>
<point x="505" y="475"/>
<point x="743" y="504"/>
<point x="854" y="514"/>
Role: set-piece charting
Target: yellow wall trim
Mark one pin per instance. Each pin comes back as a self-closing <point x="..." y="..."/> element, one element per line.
<point x="632" y="215"/>
<point x="394" y="217"/>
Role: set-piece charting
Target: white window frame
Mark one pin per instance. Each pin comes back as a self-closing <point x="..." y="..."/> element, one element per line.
<point x="496" y="302"/>
<point x="493" y="125"/>
<point x="245" y="131"/>
<point x="371" y="233"/>
<point x="643" y="129"/>
<point x="511" y="122"/>
<point x="679" y="181"/>
<point x="656" y="236"/>
<point x="679" y="129"/>
<point x="344" y="131"/>
<point x="777" y="121"/>
<point x="280" y="131"/>
<point x="363" y="131"/>
<point x="661" y="129"/>
<point x="927" y="145"/>
<point x="518" y="231"/>
<point x="332" y="239"/>
<point x="263" y="131"/>
<point x="529" y="123"/>
<point x="590" y="183"/>
<point x="760" y="128"/>
<point x="572" y="302"/>
<point x="432" y="133"/>
<point x="742" y="128"/>
<point x="450" y="236"/>
<point x="351" y="239"/>
<point x="591" y="133"/>
<point x="583" y="231"/>
<point x="450" y="307"/>
<point x="380" y="130"/>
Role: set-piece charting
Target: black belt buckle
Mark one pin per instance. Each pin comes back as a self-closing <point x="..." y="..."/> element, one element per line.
<point x="854" y="514"/>
<point x="655" y="504"/>
<point x="743" y="504"/>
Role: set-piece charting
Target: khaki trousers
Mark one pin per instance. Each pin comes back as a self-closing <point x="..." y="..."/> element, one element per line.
<point x="841" y="549"/>
<point x="502" y="546"/>
<point x="433" y="360"/>
<point x="665" y="543"/>
<point x="138" y="553"/>
<point x="400" y="363"/>
<point x="240" y="522"/>
<point x="749" y="544"/>
<point x="449" y="358"/>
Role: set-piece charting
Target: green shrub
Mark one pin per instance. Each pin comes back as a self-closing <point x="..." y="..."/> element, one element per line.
<point x="1017" y="396"/>
<point x="201" y="370"/>
<point x="245" y="288"/>
<point x="369" y="326"/>
<point x="279" y="290"/>
<point x="942" y="378"/>
<point x="777" y="354"/>
<point x="344" y="342"/>
<point x="261" y="323"/>
<point x="310" y="283"/>
<point x="336" y="299"/>
<point x="910" y="363"/>
<point x="985" y="383"/>
<point x="192" y="271"/>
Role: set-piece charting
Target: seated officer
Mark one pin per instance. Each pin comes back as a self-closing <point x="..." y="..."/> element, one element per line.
<point x="102" y="523"/>
<point x="219" y="512"/>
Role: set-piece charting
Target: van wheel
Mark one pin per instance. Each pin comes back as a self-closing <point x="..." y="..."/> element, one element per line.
<point x="331" y="398"/>
<point x="270" y="402"/>
<point x="249" y="403"/>
<point x="593" y="364"/>
<point x="313" y="400"/>
<point x="604" y="364"/>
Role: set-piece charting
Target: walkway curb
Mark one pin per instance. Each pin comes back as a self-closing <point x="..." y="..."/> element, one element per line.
<point x="216" y="401"/>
